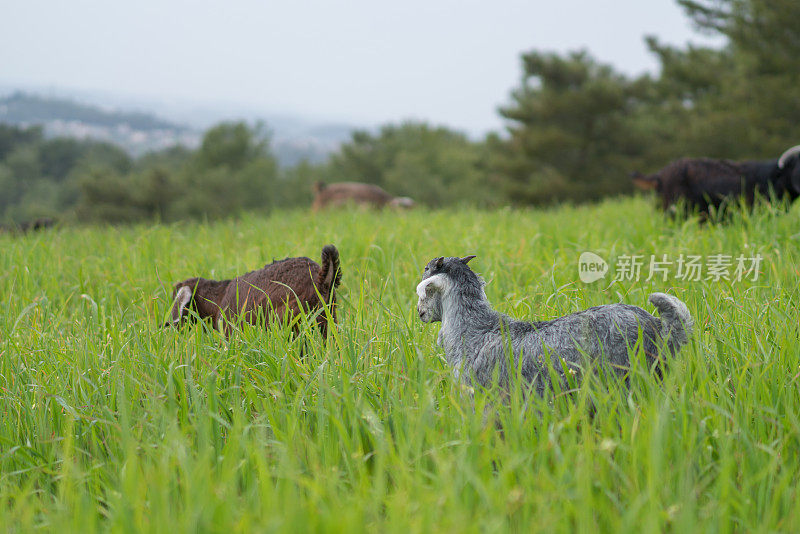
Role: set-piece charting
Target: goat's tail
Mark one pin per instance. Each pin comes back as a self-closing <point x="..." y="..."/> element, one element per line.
<point x="329" y="275"/>
<point x="676" y="321"/>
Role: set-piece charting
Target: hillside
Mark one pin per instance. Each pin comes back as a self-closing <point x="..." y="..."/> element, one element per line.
<point x="22" y="108"/>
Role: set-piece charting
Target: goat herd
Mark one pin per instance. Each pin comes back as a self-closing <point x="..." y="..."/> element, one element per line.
<point x="696" y="184"/>
<point x="475" y="337"/>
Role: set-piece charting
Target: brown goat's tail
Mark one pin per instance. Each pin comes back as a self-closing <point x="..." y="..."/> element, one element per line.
<point x="329" y="276"/>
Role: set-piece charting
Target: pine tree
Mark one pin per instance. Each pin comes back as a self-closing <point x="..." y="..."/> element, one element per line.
<point x="571" y="135"/>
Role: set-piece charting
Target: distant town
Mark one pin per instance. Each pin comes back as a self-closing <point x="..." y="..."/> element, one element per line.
<point x="292" y="139"/>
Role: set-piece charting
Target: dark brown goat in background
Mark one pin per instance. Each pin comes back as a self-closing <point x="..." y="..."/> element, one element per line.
<point x="704" y="182"/>
<point x="279" y="290"/>
<point x="365" y="195"/>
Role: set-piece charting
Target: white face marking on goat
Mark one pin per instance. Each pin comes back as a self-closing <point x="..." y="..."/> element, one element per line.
<point x="430" y="293"/>
<point x="182" y="298"/>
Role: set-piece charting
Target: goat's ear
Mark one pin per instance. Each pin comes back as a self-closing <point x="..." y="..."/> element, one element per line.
<point x="465" y="259"/>
<point x="439" y="262"/>
<point x="182" y="299"/>
<point x="645" y="183"/>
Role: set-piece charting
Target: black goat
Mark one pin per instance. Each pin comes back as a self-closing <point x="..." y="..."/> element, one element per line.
<point x="705" y="182"/>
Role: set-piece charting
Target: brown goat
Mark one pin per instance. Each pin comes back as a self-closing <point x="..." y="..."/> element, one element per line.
<point x="704" y="183"/>
<point x="279" y="290"/>
<point x="364" y="195"/>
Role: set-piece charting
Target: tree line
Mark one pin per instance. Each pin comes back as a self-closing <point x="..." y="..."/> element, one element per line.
<point x="575" y="130"/>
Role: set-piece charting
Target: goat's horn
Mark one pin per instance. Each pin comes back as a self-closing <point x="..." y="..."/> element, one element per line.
<point x="466" y="259"/>
<point x="788" y="154"/>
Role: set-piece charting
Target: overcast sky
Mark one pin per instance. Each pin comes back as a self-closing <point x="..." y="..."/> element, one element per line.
<point x="363" y="61"/>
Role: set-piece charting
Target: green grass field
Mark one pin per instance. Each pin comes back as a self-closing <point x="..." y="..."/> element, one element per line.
<point x="110" y="423"/>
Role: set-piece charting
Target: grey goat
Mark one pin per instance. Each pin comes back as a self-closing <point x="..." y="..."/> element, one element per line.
<point x="476" y="338"/>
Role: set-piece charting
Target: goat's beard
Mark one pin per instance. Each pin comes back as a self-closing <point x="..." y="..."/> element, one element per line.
<point x="430" y="310"/>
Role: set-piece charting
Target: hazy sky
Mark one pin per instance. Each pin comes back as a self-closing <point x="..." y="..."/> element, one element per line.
<point x="363" y="62"/>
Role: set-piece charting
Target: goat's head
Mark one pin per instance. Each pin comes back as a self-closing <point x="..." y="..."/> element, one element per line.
<point x="645" y="182"/>
<point x="194" y="294"/>
<point x="318" y="187"/>
<point x="182" y="299"/>
<point x="789" y="167"/>
<point x="439" y="278"/>
<point x="669" y="190"/>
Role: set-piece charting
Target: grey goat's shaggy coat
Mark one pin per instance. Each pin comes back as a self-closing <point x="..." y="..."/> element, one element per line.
<point x="477" y="339"/>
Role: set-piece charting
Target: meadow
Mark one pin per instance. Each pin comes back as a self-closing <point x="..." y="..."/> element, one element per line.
<point x="110" y="423"/>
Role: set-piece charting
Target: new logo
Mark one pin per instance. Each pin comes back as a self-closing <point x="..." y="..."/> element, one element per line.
<point x="591" y="267"/>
